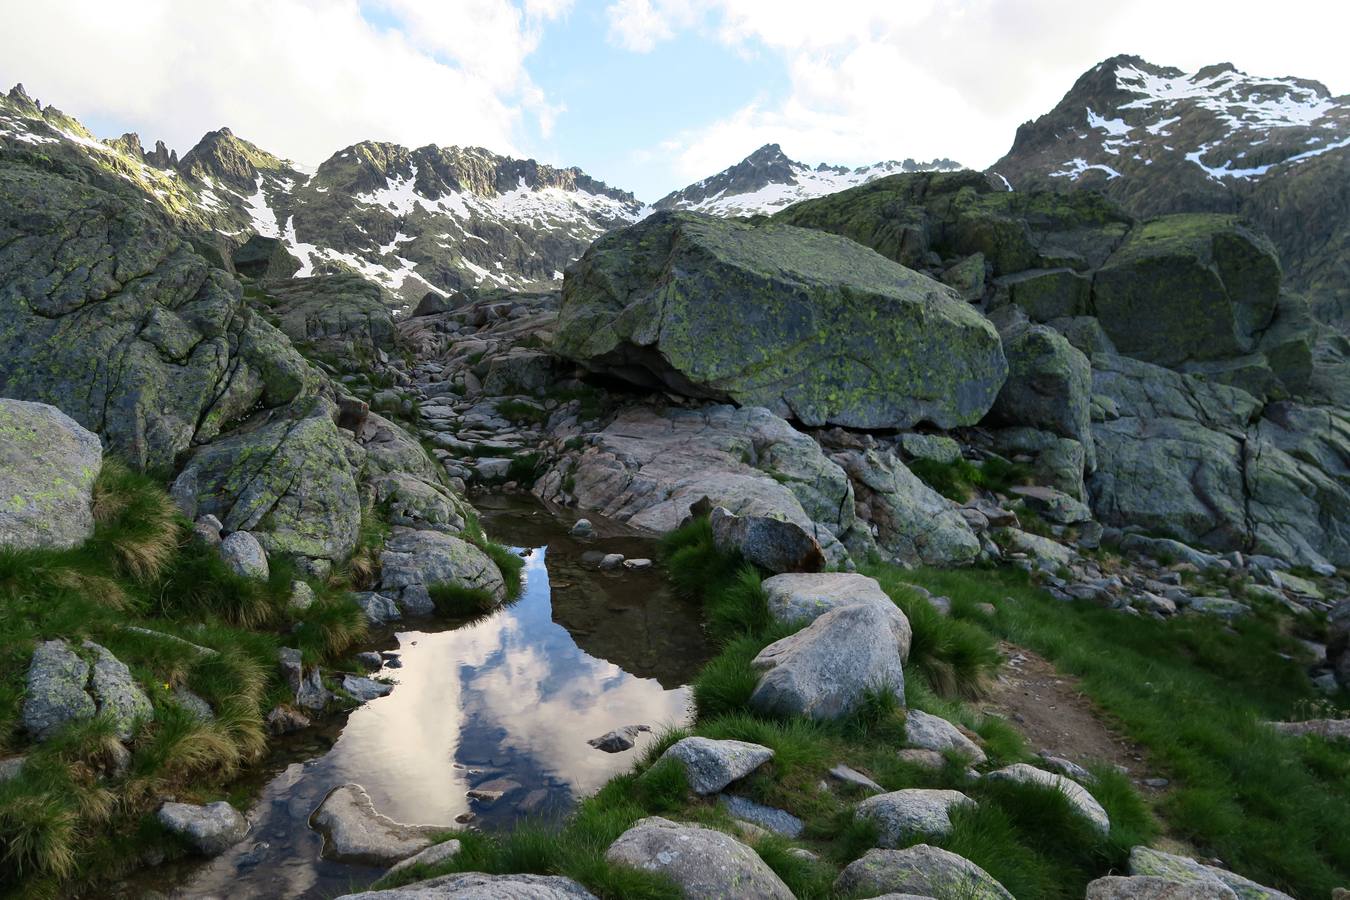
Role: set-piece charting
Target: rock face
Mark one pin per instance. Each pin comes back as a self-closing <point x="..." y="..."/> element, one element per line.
<point x="108" y="314"/>
<point x="807" y="597"/>
<point x="900" y="815"/>
<point x="772" y="544"/>
<point x="825" y="670"/>
<point x="56" y="690"/>
<point x="48" y="464"/>
<point x="1074" y="792"/>
<point x="914" y="523"/>
<point x="210" y="829"/>
<point x="922" y="870"/>
<point x="355" y="832"/>
<point x="711" y="765"/>
<point x="706" y="864"/>
<point x="808" y="325"/>
<point x="647" y="467"/>
<point x="478" y="886"/>
<point x="1188" y="287"/>
<point x="264" y="258"/>
<point x="342" y="318"/>
<point x="1049" y="386"/>
<point x="1147" y="861"/>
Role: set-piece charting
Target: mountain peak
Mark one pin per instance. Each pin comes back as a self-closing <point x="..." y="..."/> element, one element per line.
<point x="233" y="160"/>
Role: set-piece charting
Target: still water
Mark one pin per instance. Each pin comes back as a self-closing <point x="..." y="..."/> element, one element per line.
<point x="510" y="699"/>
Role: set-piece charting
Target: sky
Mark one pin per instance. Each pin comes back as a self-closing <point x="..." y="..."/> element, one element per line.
<point x="647" y="95"/>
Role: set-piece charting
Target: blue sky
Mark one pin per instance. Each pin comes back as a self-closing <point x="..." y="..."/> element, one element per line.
<point x="647" y="95"/>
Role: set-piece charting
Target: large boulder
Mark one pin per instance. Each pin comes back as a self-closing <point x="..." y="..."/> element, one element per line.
<point x="1151" y="887"/>
<point x="705" y="864"/>
<point x="413" y="561"/>
<point x="55" y="694"/>
<point x="1147" y="861"/>
<point x="480" y="886"/>
<point x="287" y="480"/>
<point x="355" y="832"/>
<point x="48" y="464"/>
<point x="264" y="258"/>
<point x="900" y="815"/>
<point x="211" y="829"/>
<point x="827" y="669"/>
<point x="1188" y="287"/>
<point x="649" y="466"/>
<point x="107" y="313"/>
<point x="776" y="545"/>
<point x="810" y="325"/>
<point x="914" y="523"/>
<point x="1077" y="796"/>
<point x="711" y="765"/>
<point x="923" y="870"/>
<point x="1049" y="385"/>
<point x="806" y="597"/>
<point x="345" y="319"/>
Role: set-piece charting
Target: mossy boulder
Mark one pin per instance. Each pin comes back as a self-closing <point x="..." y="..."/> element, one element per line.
<point x="1049" y="385"/>
<point x="48" y="464"/>
<point x="810" y="325"/>
<point x="286" y="479"/>
<point x="1188" y="287"/>
<point x="1045" y="294"/>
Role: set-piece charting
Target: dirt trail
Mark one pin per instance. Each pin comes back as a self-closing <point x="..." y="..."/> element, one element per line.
<point x="1056" y="716"/>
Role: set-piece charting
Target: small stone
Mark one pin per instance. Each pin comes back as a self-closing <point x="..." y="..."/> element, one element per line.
<point x="618" y="740"/>
<point x="116" y="692"/>
<point x="902" y="814"/>
<point x="776" y="820"/>
<point x="285" y="720"/>
<point x="210" y="829"/>
<point x="56" y="690"/>
<point x="207" y="530"/>
<point x="302" y="596"/>
<point x="370" y="660"/>
<point x="923" y="759"/>
<point x="704" y="863"/>
<point x="365" y="689"/>
<point x="929" y="732"/>
<point x="244" y="555"/>
<point x="582" y="528"/>
<point x="611" y="560"/>
<point x="379" y="609"/>
<point x="921" y="870"/>
<point x="637" y="564"/>
<point x="193" y="703"/>
<point x="855" y="778"/>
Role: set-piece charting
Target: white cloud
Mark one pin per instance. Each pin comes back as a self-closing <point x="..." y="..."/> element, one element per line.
<point x="301" y="78"/>
<point x="922" y="78"/>
<point x="637" y="25"/>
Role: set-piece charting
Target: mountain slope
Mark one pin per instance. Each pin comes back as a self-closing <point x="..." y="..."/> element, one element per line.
<point x="767" y="181"/>
<point x="433" y="218"/>
<point x="1159" y="140"/>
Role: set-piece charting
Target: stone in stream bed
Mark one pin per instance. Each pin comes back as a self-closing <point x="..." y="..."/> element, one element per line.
<point x="618" y="740"/>
<point x="355" y="832"/>
<point x="365" y="689"/>
<point x="210" y="829"/>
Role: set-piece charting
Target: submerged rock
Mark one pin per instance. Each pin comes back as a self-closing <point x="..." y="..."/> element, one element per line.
<point x="618" y="740"/>
<point x="210" y="829"/>
<point x="808" y="324"/>
<point x="48" y="464"/>
<point x="706" y="864"/>
<point x="355" y="832"/>
<point x="826" y="670"/>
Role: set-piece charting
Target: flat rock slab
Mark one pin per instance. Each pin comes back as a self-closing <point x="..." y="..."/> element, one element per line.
<point x="900" y="815"/>
<point x="48" y="464"/>
<point x="923" y="870"/>
<point x="825" y="670"/>
<point x="779" y="821"/>
<point x="56" y="690"/>
<point x="855" y="778"/>
<point x="356" y="832"/>
<point x="211" y="829"/>
<point x="706" y="864"/>
<point x="1147" y="861"/>
<point x="478" y="886"/>
<point x="436" y="853"/>
<point x="805" y="597"/>
<point x="711" y="765"/>
<point x="1150" y="887"/>
<point x="929" y="732"/>
<point x="1074" y="792"/>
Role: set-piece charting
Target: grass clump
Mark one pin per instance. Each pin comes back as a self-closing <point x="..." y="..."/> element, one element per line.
<point x="522" y="413"/>
<point x="960" y="479"/>
<point x="457" y="601"/>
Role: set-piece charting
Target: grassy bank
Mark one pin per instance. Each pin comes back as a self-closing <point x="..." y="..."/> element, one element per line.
<point x="1194" y="692"/>
<point x="153" y="596"/>
<point x="1026" y="837"/>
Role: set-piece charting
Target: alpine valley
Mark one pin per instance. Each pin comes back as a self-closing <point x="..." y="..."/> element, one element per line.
<point x="809" y="532"/>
